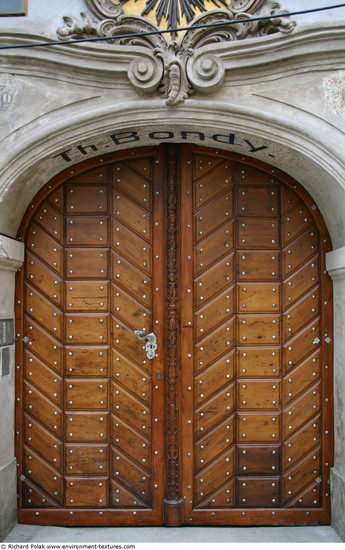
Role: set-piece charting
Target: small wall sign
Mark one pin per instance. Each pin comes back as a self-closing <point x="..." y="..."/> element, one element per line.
<point x="13" y="7"/>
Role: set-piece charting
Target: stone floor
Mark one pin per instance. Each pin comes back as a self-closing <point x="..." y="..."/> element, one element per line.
<point x="35" y="533"/>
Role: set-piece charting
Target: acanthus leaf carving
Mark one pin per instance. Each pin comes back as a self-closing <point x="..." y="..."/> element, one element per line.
<point x="176" y="68"/>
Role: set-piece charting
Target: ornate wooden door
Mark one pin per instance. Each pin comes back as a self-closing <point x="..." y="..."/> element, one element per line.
<point x="92" y="422"/>
<point x="256" y="346"/>
<point x="230" y="422"/>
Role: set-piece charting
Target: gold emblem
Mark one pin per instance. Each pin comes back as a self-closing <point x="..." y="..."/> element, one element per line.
<point x="172" y="14"/>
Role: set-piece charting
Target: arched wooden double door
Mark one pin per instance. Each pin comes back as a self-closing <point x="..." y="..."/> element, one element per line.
<point x="230" y="423"/>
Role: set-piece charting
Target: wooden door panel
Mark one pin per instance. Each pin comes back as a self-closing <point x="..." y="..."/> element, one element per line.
<point x="86" y="296"/>
<point x="222" y="498"/>
<point x="295" y="222"/>
<point x="121" y="497"/>
<point x="43" y="475"/>
<point x="86" y="394"/>
<point x="258" y="428"/>
<point x="301" y="314"/>
<point x="309" y="498"/>
<point x="214" y="280"/>
<point x="219" y="342"/>
<point x="130" y="311"/>
<point x="135" y="184"/>
<point x="130" y="376"/>
<point x="214" y="247"/>
<point x="258" y="460"/>
<point x="131" y="214"/>
<point x="86" y="493"/>
<point x="86" y="459"/>
<point x="43" y="410"/>
<point x="43" y="345"/>
<point x="95" y="176"/>
<point x="258" y="298"/>
<point x="258" y="394"/>
<point x="36" y="498"/>
<point x="301" y="442"/>
<point x="258" y="233"/>
<point x="250" y="175"/>
<point x="132" y="247"/>
<point x="300" y="282"/>
<point x="295" y="254"/>
<point x="209" y="183"/>
<point x="214" y="313"/>
<point x="43" y="378"/>
<point x="87" y="231"/>
<point x="51" y="221"/>
<point x="301" y="377"/>
<point x="43" y="442"/>
<point x="258" y="265"/>
<point x="220" y="210"/>
<point x="258" y="492"/>
<point x="46" y="248"/>
<point x="215" y="410"/>
<point x="214" y="475"/>
<point x="289" y="198"/>
<point x="214" y="378"/>
<point x="298" y="412"/>
<point x="259" y="362"/>
<point x="44" y="280"/>
<point x="215" y="442"/>
<point x="86" y="329"/>
<point x="127" y="344"/>
<point x="301" y="475"/>
<point x="131" y="410"/>
<point x="131" y="279"/>
<point x="56" y="198"/>
<point x="44" y="312"/>
<point x="132" y="476"/>
<point x="127" y="440"/>
<point x="86" y="361"/>
<point x="258" y="329"/>
<point x="89" y="427"/>
<point x="92" y="262"/>
<point x="300" y="346"/>
<point x="86" y="198"/>
<point x="257" y="201"/>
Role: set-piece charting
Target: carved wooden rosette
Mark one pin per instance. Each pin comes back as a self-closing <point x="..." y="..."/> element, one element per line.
<point x="173" y="502"/>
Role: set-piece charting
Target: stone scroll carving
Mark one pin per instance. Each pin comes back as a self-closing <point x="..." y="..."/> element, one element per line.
<point x="176" y="68"/>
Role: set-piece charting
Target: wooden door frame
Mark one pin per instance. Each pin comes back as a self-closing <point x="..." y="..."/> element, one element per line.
<point x="177" y="396"/>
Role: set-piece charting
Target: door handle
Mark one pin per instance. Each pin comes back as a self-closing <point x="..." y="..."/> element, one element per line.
<point x="151" y="342"/>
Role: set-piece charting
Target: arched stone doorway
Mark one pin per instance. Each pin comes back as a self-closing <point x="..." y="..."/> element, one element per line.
<point x="222" y="258"/>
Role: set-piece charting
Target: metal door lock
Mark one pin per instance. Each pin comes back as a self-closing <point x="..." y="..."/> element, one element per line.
<point x="151" y="345"/>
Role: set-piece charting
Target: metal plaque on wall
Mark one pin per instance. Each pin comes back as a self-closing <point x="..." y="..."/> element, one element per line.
<point x="6" y="332"/>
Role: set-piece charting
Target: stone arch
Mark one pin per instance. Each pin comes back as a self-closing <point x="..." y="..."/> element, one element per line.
<point x="38" y="153"/>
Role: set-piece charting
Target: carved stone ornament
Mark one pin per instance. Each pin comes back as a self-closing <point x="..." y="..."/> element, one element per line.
<point x="178" y="67"/>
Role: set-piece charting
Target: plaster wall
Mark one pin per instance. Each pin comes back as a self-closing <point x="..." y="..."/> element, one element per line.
<point x="281" y="101"/>
<point x="11" y="257"/>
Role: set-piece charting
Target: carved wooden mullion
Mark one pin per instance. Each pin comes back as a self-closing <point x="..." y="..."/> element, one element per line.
<point x="172" y="490"/>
